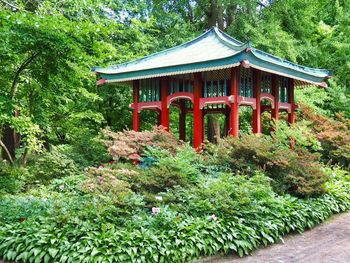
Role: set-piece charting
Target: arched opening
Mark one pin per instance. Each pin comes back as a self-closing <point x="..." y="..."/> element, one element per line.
<point x="216" y="122"/>
<point x="245" y="119"/>
<point x="266" y="120"/>
<point x="149" y="119"/>
<point x="181" y="119"/>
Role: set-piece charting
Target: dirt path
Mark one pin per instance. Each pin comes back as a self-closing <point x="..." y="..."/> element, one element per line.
<point x="327" y="243"/>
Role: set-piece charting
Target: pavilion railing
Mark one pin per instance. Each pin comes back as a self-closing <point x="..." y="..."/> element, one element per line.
<point x="266" y="83"/>
<point x="182" y="83"/>
<point x="216" y="83"/>
<point x="246" y="82"/>
<point x="283" y="89"/>
<point x="149" y="90"/>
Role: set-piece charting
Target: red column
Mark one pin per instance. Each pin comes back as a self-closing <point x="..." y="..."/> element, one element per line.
<point x="165" y="111"/>
<point x="275" y="93"/>
<point x="257" y="111"/>
<point x="291" y="115"/>
<point x="197" y="112"/>
<point x="136" y="86"/>
<point x="234" y="121"/>
<point x="183" y="120"/>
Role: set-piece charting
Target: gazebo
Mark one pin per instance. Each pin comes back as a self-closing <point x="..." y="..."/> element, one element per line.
<point x="209" y="74"/>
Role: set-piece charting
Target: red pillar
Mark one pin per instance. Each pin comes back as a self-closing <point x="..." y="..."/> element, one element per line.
<point x="165" y="110"/>
<point x="197" y="112"/>
<point x="275" y="93"/>
<point x="291" y="115"/>
<point x="183" y="120"/>
<point x="257" y="111"/>
<point x="136" y="86"/>
<point x="234" y="121"/>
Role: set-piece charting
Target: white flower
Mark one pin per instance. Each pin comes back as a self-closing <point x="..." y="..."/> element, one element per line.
<point x="155" y="210"/>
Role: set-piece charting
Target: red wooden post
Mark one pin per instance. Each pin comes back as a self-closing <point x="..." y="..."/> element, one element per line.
<point x="275" y="93"/>
<point x="291" y="115"/>
<point x="257" y="111"/>
<point x="165" y="109"/>
<point x="136" y="87"/>
<point x="234" y="121"/>
<point x="197" y="112"/>
<point x="183" y="120"/>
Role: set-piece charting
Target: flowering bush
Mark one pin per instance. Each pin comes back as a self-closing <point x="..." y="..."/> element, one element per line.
<point x="130" y="144"/>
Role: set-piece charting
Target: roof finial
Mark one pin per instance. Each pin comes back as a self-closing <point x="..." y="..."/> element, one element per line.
<point x="249" y="46"/>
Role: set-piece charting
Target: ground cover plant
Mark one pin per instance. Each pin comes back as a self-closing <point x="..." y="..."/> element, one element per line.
<point x="69" y="186"/>
<point x="174" y="206"/>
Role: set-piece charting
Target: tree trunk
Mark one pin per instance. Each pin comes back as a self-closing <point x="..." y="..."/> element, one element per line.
<point x="212" y="13"/>
<point x="9" y="141"/>
<point x="213" y="129"/>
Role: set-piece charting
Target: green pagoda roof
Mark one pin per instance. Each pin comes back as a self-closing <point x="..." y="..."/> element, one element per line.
<point x="212" y="50"/>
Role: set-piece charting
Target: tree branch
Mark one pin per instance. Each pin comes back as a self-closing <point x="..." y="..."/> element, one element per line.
<point x="3" y="146"/>
<point x="12" y="6"/>
<point x="19" y="71"/>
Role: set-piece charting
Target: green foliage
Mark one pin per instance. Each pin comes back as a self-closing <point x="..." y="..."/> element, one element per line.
<point x="85" y="148"/>
<point x="259" y="218"/>
<point x="12" y="178"/>
<point x="17" y="209"/>
<point x="333" y="135"/>
<point x="294" y="171"/>
<point x="222" y="200"/>
<point x="52" y="165"/>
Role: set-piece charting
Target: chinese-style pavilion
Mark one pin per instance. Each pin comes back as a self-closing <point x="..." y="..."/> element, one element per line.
<point x="217" y="73"/>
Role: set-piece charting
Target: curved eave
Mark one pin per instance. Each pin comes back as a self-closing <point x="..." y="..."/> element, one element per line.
<point x="323" y="73"/>
<point x="228" y="62"/>
<point x="290" y="72"/>
<point x="225" y="39"/>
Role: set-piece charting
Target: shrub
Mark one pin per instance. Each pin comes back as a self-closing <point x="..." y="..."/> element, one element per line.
<point x="334" y="136"/>
<point x="51" y="165"/>
<point x="130" y="145"/>
<point x="16" y="209"/>
<point x="224" y="195"/>
<point x="172" y="236"/>
<point x="12" y="178"/>
<point x="85" y="149"/>
<point x="294" y="171"/>
<point x="68" y="184"/>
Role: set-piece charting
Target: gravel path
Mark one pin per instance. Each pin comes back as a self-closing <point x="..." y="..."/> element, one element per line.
<point x="326" y="243"/>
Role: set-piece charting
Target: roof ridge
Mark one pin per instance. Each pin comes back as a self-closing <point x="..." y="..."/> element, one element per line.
<point x="194" y="40"/>
<point x="224" y="38"/>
